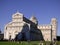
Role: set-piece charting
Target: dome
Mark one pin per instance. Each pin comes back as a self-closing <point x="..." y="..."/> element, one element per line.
<point x="34" y="20"/>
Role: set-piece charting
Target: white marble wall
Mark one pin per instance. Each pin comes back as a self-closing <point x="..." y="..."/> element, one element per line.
<point x="17" y="23"/>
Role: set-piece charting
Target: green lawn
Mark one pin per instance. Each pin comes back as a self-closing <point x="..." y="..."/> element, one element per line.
<point x="25" y="43"/>
<point x="19" y="43"/>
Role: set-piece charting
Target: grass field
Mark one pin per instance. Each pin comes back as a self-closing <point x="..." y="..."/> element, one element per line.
<point x="26" y="43"/>
<point x="19" y="43"/>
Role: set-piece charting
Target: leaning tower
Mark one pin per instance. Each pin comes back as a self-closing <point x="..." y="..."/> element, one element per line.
<point x="54" y="28"/>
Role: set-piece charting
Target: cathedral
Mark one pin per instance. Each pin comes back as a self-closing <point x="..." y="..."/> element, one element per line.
<point x="21" y="28"/>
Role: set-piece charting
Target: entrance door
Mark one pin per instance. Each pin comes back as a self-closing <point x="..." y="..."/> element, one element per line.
<point x="10" y="37"/>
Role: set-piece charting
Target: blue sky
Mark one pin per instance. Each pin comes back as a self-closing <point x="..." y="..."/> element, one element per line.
<point x="43" y="10"/>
